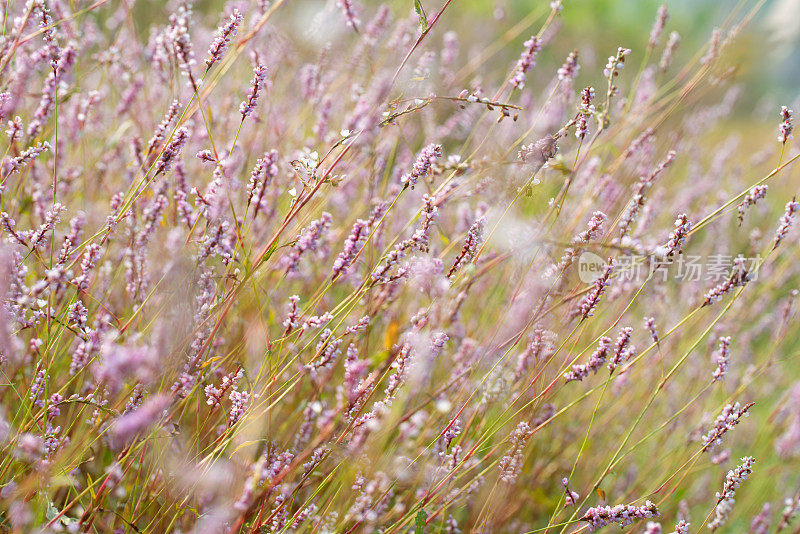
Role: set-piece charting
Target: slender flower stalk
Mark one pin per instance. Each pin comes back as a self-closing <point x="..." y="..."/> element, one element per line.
<point x="595" y="362"/>
<point x="172" y="151"/>
<point x="26" y="156"/>
<point x="623" y="350"/>
<point x="259" y="82"/>
<point x="761" y="522"/>
<point x="669" y="51"/>
<point x="791" y="505"/>
<point x="738" y="277"/>
<point x="682" y="527"/>
<point x="570" y="497"/>
<point x="422" y="165"/>
<point x="650" y="324"/>
<point x="349" y="10"/>
<point x="785" y="129"/>
<point x="586" y="110"/>
<point x="511" y="464"/>
<point x="622" y="514"/>
<point x="754" y="195"/>
<point x="721" y="358"/>
<point x="786" y="222"/>
<point x="471" y="244"/>
<point x="725" y="500"/>
<point x="169" y="117"/>
<point x="592" y="298"/>
<point x="658" y="26"/>
<point x="527" y="60"/>
<point x="640" y="195"/>
<point x="731" y="415"/>
<point x="224" y="34"/>
<point x="350" y="248"/>
<point x="570" y="68"/>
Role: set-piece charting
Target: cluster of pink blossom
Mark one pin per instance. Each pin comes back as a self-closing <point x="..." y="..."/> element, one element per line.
<point x="343" y="275"/>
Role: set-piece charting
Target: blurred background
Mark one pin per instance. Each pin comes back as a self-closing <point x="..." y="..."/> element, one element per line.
<point x="767" y="50"/>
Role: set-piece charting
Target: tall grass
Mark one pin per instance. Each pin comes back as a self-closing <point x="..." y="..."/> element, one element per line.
<point x="369" y="268"/>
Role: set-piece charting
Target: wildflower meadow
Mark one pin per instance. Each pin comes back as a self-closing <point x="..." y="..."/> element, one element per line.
<point x="393" y="267"/>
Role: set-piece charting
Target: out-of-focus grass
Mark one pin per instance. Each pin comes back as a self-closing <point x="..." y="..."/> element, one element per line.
<point x="503" y="289"/>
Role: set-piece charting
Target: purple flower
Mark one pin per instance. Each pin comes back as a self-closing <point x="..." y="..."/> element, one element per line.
<point x="316" y="321"/>
<point x="46" y="104"/>
<point x="527" y="60"/>
<point x="641" y="187"/>
<point x="350" y="249"/>
<point x="425" y="160"/>
<point x="738" y="277"/>
<point x="172" y="151"/>
<point x="511" y="464"/>
<point x="761" y="522"/>
<point x="377" y="26"/>
<point x="616" y="63"/>
<point x="224" y="34"/>
<point x="595" y="362"/>
<point x="38" y="386"/>
<point x="292" y="320"/>
<point x="592" y="298"/>
<point x="90" y="257"/>
<point x="658" y="26"/>
<point x="206" y="156"/>
<point x="5" y="100"/>
<point x="786" y="222"/>
<point x="677" y="238"/>
<point x="240" y="401"/>
<point x="725" y="500"/>
<point x="473" y="241"/>
<point x="721" y="358"/>
<point x="681" y="527"/>
<point x="258" y="83"/>
<point x="308" y="240"/>
<point x="127" y="427"/>
<point x="40" y="237"/>
<point x="669" y="51"/>
<point x="161" y="130"/>
<point x="118" y="363"/>
<point x="730" y="416"/>
<point x="13" y="165"/>
<point x="570" y="497"/>
<point x="177" y="35"/>
<point x="570" y="68"/>
<point x="349" y="10"/>
<point x="266" y="168"/>
<point x="214" y="394"/>
<point x="785" y="129"/>
<point x="539" y="152"/>
<point x="418" y="241"/>
<point x="46" y="23"/>
<point x="790" y="507"/>
<point x="586" y="110"/>
<point x="754" y="195"/>
<point x="600" y="516"/>
<point x="650" y="324"/>
<point x="14" y="130"/>
<point x="594" y="228"/>
<point x="623" y="350"/>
